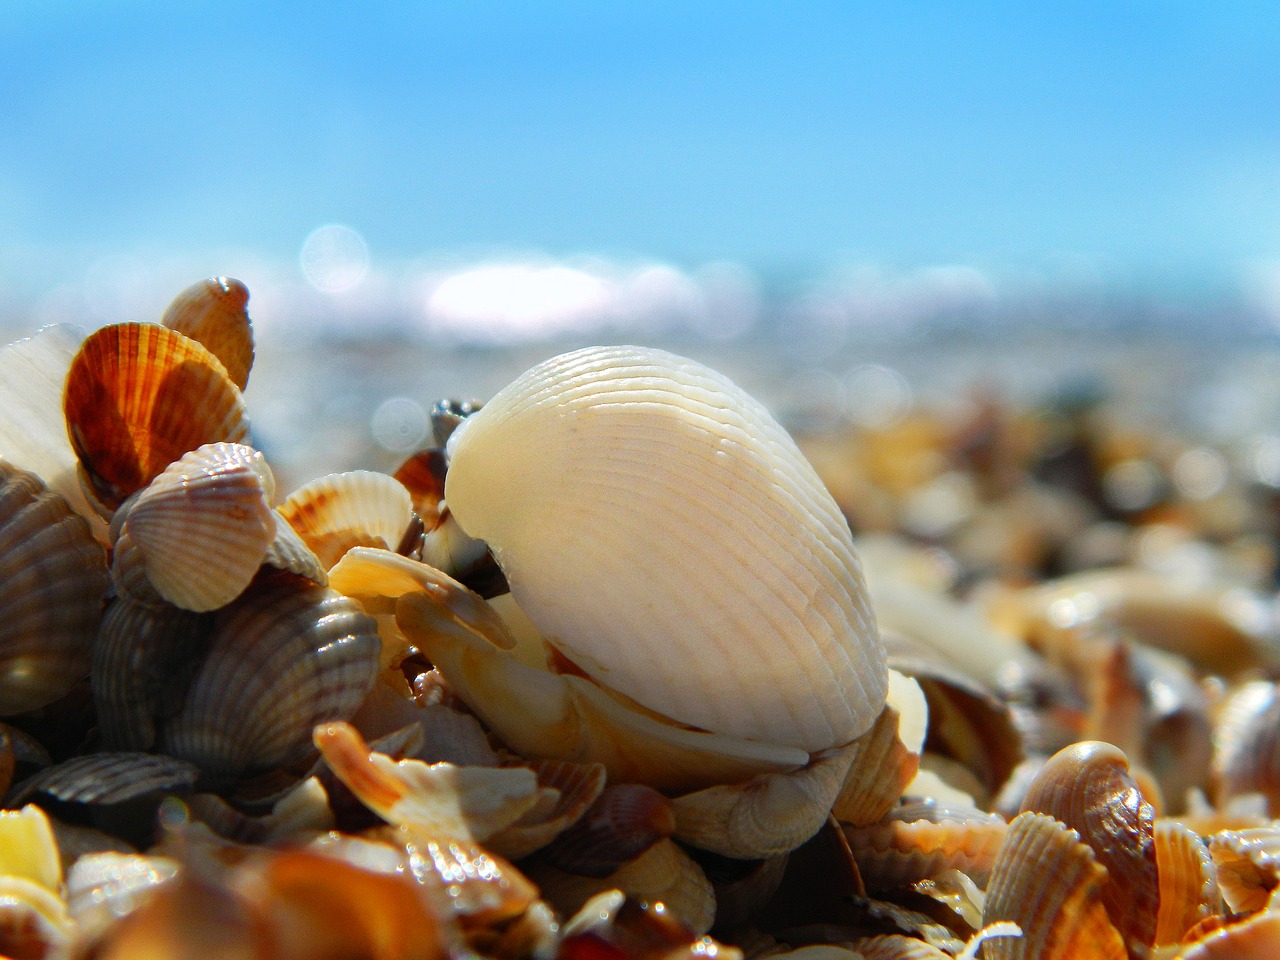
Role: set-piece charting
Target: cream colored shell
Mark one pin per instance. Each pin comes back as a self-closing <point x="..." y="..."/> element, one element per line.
<point x="661" y="528"/>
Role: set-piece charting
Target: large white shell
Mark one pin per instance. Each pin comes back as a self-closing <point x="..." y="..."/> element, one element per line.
<point x="656" y="523"/>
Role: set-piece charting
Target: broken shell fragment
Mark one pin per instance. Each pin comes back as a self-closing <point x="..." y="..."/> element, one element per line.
<point x="692" y="577"/>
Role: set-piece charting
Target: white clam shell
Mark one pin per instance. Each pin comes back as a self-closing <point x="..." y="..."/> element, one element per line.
<point x="661" y="528"/>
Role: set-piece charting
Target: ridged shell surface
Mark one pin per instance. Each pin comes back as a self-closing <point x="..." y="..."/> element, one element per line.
<point x="138" y="396"/>
<point x="213" y="311"/>
<point x="52" y="578"/>
<point x="657" y="524"/>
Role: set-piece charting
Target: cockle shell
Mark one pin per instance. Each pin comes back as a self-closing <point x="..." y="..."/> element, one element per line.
<point x="199" y="531"/>
<point x="661" y="529"/>
<point x="138" y="396"/>
<point x="53" y="574"/>
<point x="213" y="312"/>
<point x="359" y="508"/>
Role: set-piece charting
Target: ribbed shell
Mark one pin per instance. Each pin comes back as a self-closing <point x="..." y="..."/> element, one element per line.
<point x="339" y="511"/>
<point x="200" y="530"/>
<point x="138" y="396"/>
<point x="657" y="524"/>
<point x="52" y="578"/>
<point x="281" y="659"/>
<point x="213" y="311"/>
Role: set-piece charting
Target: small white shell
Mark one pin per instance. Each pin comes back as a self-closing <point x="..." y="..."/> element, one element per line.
<point x="662" y="529"/>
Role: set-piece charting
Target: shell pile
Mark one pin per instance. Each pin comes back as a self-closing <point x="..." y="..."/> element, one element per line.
<point x="605" y="674"/>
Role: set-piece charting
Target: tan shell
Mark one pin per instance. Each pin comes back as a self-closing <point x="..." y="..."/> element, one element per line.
<point x="660" y="527"/>
<point x="1050" y="884"/>
<point x="198" y="532"/>
<point x="213" y="312"/>
<point x="282" y="658"/>
<point x="339" y="511"/>
<point x="887" y="756"/>
<point x="768" y="814"/>
<point x="1246" y="755"/>
<point x="53" y="575"/>
<point x="922" y="840"/>
<point x="1089" y="788"/>
<point x="1248" y="865"/>
<point x="1188" y="882"/>
<point x="139" y="396"/>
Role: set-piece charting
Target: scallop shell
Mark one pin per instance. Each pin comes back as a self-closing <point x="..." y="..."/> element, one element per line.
<point x="139" y="396"/>
<point x="923" y="840"/>
<point x="623" y="822"/>
<point x="666" y="533"/>
<point x="198" y="532"/>
<point x="53" y="574"/>
<point x="339" y="511"/>
<point x="282" y="658"/>
<point x="1188" y="882"/>
<point x="213" y="312"/>
<point x="1247" y="745"/>
<point x="1248" y="865"/>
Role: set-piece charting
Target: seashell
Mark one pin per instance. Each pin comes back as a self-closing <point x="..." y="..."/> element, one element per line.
<point x="33" y="916"/>
<point x="1246" y="756"/>
<point x="1251" y="938"/>
<point x="1088" y="787"/>
<point x="103" y="887"/>
<point x="301" y="811"/>
<point x="1188" y="882"/>
<point x="1050" y="884"/>
<point x="103" y="779"/>
<point x="52" y="578"/>
<point x="662" y="873"/>
<point x="139" y="396"/>
<point x="616" y="925"/>
<point x="923" y="839"/>
<point x="33" y="431"/>
<point x="566" y="792"/>
<point x="708" y="547"/>
<point x="198" y="532"/>
<point x="887" y="756"/>
<point x="212" y="312"/>
<point x="143" y="662"/>
<point x="339" y="511"/>
<point x="768" y="814"/>
<point x="967" y="722"/>
<point x="623" y="822"/>
<point x="282" y="658"/>
<point x="1248" y="865"/>
<point x="539" y="713"/>
<point x="1220" y="629"/>
<point x="885" y="946"/>
<point x="423" y="475"/>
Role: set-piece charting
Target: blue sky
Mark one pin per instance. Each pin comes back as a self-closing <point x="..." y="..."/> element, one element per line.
<point x="1137" y="141"/>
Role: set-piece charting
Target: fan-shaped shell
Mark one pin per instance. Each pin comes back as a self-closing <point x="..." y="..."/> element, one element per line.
<point x="53" y="574"/>
<point x="213" y="311"/>
<point x="199" y="531"/>
<point x="139" y="396"/>
<point x="281" y="659"/>
<point x="660" y="527"/>
<point x="339" y="511"/>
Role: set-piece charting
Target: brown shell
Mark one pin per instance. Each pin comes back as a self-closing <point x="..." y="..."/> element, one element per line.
<point x="566" y="791"/>
<point x="423" y="476"/>
<point x="282" y="659"/>
<point x="1089" y="788"/>
<point x="143" y="661"/>
<point x="53" y="575"/>
<point x="623" y="822"/>
<point x="1049" y="883"/>
<point x="106" y="778"/>
<point x="1246" y="756"/>
<point x="213" y="312"/>
<point x="139" y="396"/>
